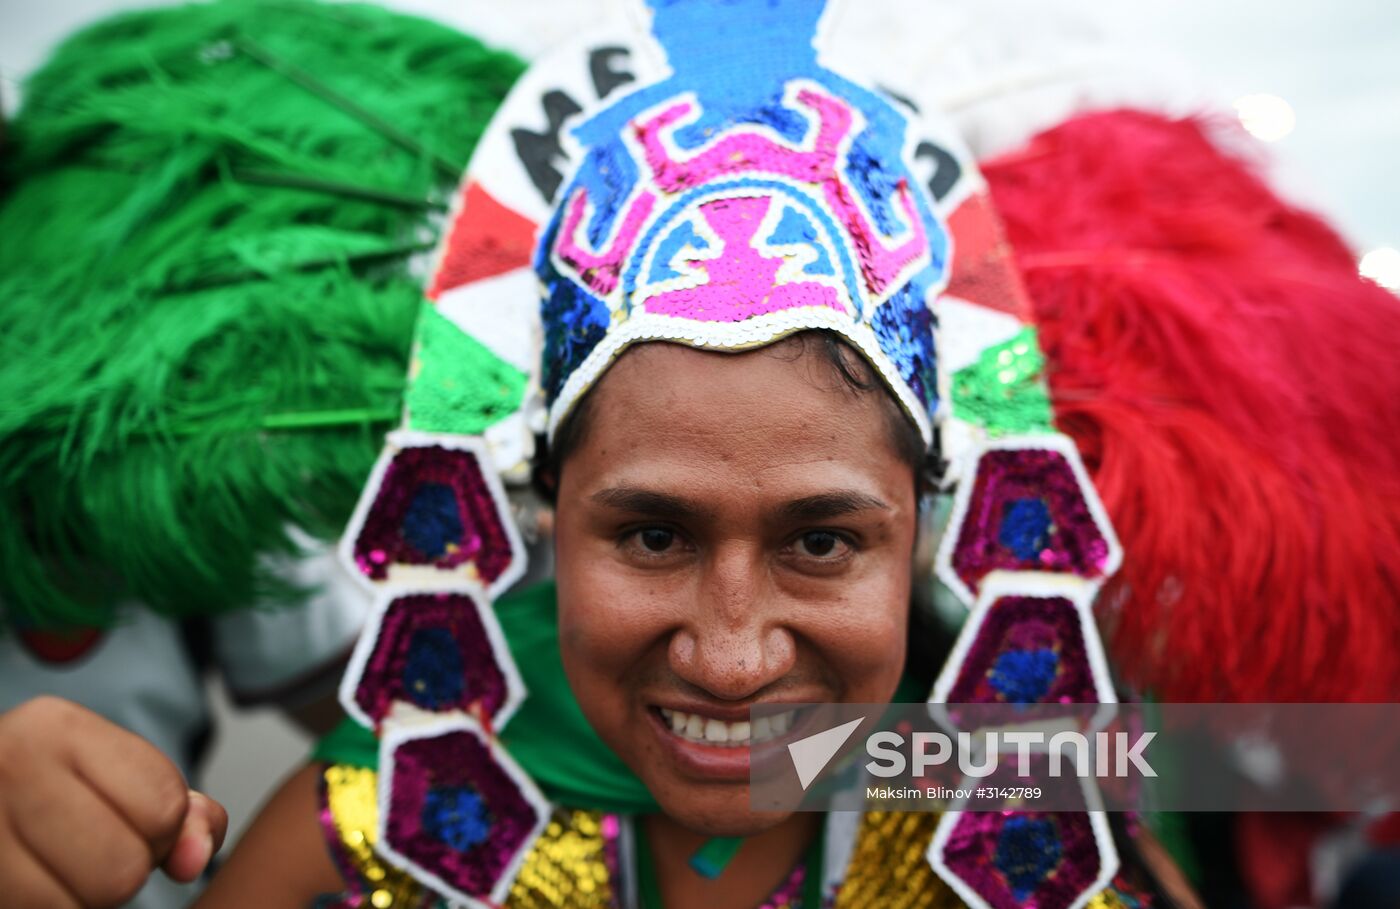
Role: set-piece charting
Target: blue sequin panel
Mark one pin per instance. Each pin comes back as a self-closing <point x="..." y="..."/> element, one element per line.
<point x="1028" y="851"/>
<point x="1024" y="676"/>
<point x="433" y="674"/>
<point x="457" y="816"/>
<point x="574" y="322"/>
<point x="1025" y="527"/>
<point x="433" y="520"/>
<point x="904" y="326"/>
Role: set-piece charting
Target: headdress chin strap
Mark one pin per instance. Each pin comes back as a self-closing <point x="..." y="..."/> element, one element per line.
<point x="727" y="193"/>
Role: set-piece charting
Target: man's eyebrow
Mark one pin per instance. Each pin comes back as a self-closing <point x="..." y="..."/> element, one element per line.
<point x="665" y="505"/>
<point x="649" y="502"/>
<point x="831" y="505"/>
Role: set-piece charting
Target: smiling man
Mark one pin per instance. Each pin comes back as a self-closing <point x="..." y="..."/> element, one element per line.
<point x="739" y="395"/>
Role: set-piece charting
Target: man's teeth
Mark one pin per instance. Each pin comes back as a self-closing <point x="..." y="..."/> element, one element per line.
<point x="697" y="728"/>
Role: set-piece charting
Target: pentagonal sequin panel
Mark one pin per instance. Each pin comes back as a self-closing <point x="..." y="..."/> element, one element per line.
<point x="459" y="813"/>
<point x="1019" y="859"/>
<point x="433" y="513"/>
<point x="1029" y="507"/>
<point x="1026" y="650"/>
<point x="438" y="651"/>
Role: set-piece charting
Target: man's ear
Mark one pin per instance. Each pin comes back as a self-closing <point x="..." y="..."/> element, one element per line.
<point x="544" y="474"/>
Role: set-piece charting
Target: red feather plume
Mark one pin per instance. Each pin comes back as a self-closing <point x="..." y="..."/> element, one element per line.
<point x="1234" y="386"/>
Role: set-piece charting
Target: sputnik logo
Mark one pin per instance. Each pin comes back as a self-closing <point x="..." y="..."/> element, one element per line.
<point x="810" y="755"/>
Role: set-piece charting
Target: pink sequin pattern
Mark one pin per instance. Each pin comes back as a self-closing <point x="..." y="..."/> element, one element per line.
<point x="743" y="282"/>
<point x="1024" y="859"/>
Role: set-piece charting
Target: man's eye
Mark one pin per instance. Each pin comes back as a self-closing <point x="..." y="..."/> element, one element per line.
<point x="656" y="539"/>
<point x="820" y="544"/>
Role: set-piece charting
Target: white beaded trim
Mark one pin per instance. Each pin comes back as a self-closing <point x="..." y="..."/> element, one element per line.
<point x="755" y="332"/>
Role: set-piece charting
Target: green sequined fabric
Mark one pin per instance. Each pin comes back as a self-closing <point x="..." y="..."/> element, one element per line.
<point x="1004" y="391"/>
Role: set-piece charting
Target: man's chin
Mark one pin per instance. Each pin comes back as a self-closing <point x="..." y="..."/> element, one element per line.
<point x="722" y="815"/>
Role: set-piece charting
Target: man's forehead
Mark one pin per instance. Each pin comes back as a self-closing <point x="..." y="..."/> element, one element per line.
<point x="790" y="377"/>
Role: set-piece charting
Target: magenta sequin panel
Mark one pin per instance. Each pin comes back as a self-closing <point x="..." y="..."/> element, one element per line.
<point x="1028" y="650"/>
<point x="456" y="813"/>
<point x="433" y="508"/>
<point x="1027" y="513"/>
<point x="433" y="652"/>
<point x="1024" y="859"/>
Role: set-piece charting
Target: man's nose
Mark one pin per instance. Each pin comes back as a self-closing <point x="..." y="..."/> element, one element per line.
<point x="733" y="643"/>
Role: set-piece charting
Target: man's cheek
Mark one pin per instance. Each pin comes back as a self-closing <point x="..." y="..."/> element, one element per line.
<point x="868" y="611"/>
<point x="604" y="630"/>
<point x="864" y="637"/>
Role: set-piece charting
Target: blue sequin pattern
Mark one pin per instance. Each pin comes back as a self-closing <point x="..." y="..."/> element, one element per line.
<point x="433" y="674"/>
<point x="457" y="816"/>
<point x="904" y="326"/>
<point x="1025" y="527"/>
<point x="574" y="322"/>
<point x="1024" y="676"/>
<point x="1028" y="850"/>
<point x="433" y="519"/>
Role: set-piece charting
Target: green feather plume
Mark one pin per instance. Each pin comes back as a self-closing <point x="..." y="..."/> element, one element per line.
<point x="209" y="225"/>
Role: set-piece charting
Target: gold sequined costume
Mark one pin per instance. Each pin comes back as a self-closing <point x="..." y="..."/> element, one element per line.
<point x="571" y="866"/>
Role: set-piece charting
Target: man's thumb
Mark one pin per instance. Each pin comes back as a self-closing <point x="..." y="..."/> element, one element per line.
<point x="201" y="835"/>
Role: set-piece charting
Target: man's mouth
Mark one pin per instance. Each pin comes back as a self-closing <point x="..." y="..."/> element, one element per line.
<point x="710" y="731"/>
<point x="724" y="742"/>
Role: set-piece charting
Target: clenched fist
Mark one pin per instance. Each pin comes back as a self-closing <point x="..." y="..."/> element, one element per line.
<point x="88" y="810"/>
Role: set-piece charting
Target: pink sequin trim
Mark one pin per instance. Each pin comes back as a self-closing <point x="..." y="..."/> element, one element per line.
<point x="742" y="281"/>
<point x="747" y="151"/>
<point x="600" y="270"/>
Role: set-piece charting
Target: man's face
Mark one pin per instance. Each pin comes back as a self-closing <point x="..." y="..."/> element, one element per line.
<point x="733" y="529"/>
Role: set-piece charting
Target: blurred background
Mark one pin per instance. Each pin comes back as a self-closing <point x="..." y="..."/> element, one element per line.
<point x="1317" y="84"/>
